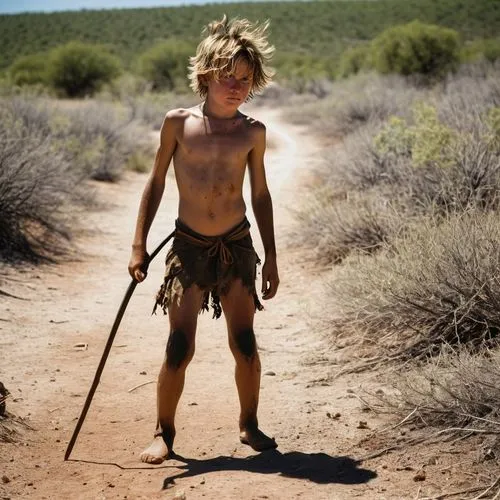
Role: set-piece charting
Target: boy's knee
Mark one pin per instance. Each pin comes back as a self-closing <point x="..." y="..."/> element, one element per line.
<point x="245" y="342"/>
<point x="179" y="350"/>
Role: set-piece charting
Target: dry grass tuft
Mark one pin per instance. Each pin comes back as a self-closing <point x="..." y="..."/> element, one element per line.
<point x="455" y="389"/>
<point x="437" y="285"/>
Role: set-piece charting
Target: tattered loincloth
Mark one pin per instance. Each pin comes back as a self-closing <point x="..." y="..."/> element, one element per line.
<point x="210" y="262"/>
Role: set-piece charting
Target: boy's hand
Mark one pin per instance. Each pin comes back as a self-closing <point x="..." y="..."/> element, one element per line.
<point x="137" y="267"/>
<point x="270" y="279"/>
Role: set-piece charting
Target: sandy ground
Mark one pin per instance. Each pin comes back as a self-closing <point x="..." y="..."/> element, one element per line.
<point x="75" y="304"/>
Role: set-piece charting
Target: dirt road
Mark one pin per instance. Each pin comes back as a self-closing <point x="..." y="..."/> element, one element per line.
<point x="75" y="304"/>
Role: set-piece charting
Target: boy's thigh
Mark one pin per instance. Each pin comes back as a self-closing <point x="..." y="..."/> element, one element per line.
<point x="183" y="314"/>
<point x="239" y="306"/>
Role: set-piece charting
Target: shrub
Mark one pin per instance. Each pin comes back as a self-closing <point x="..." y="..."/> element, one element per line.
<point x="426" y="141"/>
<point x="29" y="70"/>
<point x="467" y="98"/>
<point x="37" y="185"/>
<point x="334" y="228"/>
<point x="487" y="49"/>
<point x="77" y="69"/>
<point x="100" y="140"/>
<point x="354" y="60"/>
<point x="455" y="389"/>
<point x="298" y="68"/>
<point x="437" y="285"/>
<point x="416" y="48"/>
<point x="451" y="172"/>
<point x="351" y="104"/>
<point x="164" y="66"/>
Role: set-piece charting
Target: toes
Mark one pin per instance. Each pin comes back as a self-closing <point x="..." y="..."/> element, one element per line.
<point x="151" y="459"/>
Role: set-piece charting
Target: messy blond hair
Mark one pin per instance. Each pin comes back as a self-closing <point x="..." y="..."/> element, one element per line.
<point x="226" y="42"/>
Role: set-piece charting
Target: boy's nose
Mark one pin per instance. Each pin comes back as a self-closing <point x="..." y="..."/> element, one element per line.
<point x="234" y="84"/>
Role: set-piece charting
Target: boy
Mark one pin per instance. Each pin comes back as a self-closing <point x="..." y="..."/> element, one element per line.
<point x="212" y="252"/>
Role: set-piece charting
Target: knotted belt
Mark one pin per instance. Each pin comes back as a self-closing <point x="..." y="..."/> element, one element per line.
<point x="216" y="245"/>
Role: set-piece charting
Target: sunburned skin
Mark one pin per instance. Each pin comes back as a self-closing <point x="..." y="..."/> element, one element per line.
<point x="209" y="163"/>
<point x="211" y="146"/>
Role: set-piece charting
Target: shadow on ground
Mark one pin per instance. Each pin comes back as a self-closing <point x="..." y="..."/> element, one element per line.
<point x="316" y="467"/>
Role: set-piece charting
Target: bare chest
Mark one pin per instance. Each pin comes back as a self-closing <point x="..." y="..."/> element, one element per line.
<point x="211" y="142"/>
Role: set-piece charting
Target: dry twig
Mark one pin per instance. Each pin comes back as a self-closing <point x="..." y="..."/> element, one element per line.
<point x="140" y="385"/>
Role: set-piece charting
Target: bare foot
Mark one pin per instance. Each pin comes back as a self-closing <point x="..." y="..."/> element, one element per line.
<point x="256" y="439"/>
<point x="156" y="452"/>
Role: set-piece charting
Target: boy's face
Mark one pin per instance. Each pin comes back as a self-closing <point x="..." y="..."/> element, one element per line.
<point x="231" y="89"/>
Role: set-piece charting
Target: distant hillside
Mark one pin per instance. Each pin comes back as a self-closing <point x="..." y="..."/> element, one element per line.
<point x="317" y="29"/>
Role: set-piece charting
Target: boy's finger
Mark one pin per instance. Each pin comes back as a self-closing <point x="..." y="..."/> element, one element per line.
<point x="140" y="275"/>
<point x="271" y="291"/>
<point x="264" y="288"/>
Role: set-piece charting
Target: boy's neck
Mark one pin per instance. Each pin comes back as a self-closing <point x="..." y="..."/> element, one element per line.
<point x="219" y="114"/>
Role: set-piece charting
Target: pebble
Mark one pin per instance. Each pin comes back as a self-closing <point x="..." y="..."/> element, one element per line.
<point x="270" y="373"/>
<point x="420" y="475"/>
<point x="5" y="479"/>
<point x="335" y="416"/>
<point x="362" y="425"/>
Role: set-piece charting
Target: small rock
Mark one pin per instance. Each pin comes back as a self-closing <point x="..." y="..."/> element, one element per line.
<point x="180" y="495"/>
<point x="420" y="475"/>
<point x="5" y="479"/>
<point x="143" y="373"/>
<point x="335" y="416"/>
<point x="349" y="391"/>
<point x="111" y="485"/>
<point x="270" y="373"/>
<point x="362" y="425"/>
<point x="432" y="460"/>
<point x="193" y="403"/>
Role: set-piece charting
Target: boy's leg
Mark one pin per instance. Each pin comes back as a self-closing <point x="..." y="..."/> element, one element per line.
<point x="183" y="318"/>
<point x="239" y="310"/>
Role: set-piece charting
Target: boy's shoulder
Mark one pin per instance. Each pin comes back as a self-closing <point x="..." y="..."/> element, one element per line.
<point x="182" y="113"/>
<point x="254" y="124"/>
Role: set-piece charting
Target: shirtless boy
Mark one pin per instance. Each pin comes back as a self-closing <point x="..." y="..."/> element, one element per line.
<point x="212" y="253"/>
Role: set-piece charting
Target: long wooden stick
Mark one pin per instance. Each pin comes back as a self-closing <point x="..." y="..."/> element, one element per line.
<point x="107" y="348"/>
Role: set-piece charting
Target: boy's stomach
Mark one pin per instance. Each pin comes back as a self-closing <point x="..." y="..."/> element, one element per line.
<point x="213" y="217"/>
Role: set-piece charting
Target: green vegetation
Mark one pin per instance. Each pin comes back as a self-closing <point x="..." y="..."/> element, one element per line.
<point x="164" y="65"/>
<point x="419" y="48"/>
<point x="313" y="31"/>
<point x="29" y="70"/>
<point x="78" y="69"/>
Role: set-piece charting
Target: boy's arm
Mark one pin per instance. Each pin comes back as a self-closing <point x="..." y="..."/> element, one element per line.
<point x="152" y="195"/>
<point x="263" y="209"/>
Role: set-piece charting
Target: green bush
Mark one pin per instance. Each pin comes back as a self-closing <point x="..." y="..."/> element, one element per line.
<point x="488" y="49"/>
<point x="164" y="66"/>
<point x="293" y="65"/>
<point x="29" y="70"/>
<point x="416" y="48"/>
<point x="354" y="60"/>
<point x="77" y="69"/>
<point x="426" y="141"/>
